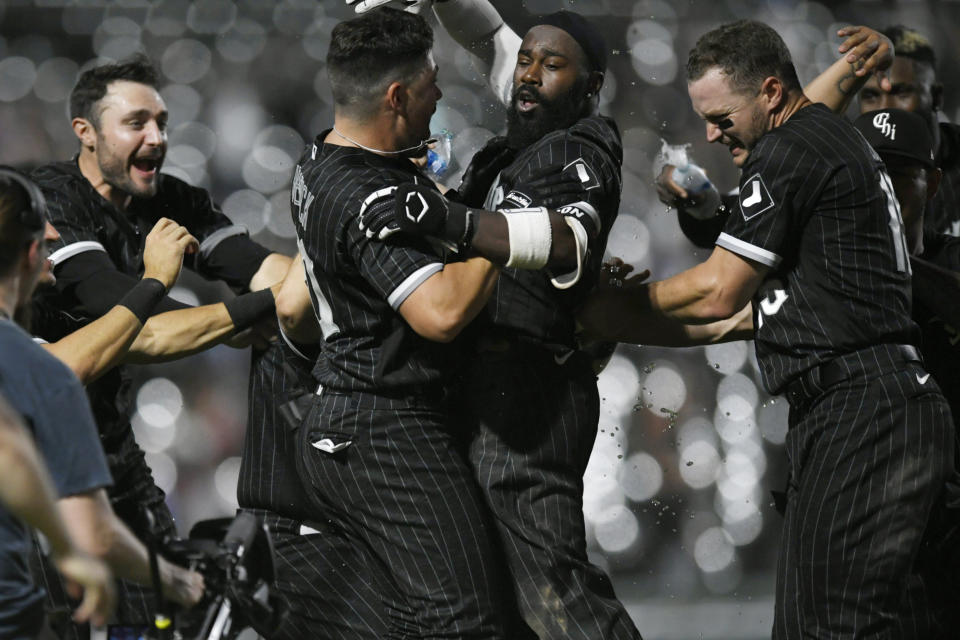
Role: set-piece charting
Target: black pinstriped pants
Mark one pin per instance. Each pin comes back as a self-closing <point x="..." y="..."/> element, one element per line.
<point x="323" y="581"/>
<point x="869" y="461"/>
<point x="393" y="482"/>
<point x="534" y="425"/>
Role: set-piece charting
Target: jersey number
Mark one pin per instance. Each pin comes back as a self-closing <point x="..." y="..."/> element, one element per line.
<point x="896" y="224"/>
<point x="321" y="306"/>
<point x="770" y="307"/>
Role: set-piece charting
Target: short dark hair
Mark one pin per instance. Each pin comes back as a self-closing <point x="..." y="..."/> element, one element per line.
<point x="748" y="52"/>
<point x="94" y="83"/>
<point x="369" y="52"/>
<point x="910" y="43"/>
<point x="15" y="233"/>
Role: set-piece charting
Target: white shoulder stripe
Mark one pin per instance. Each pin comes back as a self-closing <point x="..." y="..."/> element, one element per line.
<point x="413" y="281"/>
<point x="748" y="250"/>
<point x="73" y="249"/>
<point x="211" y="241"/>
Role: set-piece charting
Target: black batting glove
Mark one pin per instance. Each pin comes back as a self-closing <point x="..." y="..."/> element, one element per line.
<point x="423" y="211"/>
<point x="550" y="186"/>
<point x="483" y="169"/>
<point x="376" y="217"/>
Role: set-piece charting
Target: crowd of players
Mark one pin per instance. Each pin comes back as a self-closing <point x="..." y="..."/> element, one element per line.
<point x="421" y="409"/>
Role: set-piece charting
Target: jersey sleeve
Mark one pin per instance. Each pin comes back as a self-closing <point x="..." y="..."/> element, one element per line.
<point x="66" y="436"/>
<point x="776" y="182"/>
<point x="394" y="267"/>
<point x="79" y="229"/>
<point x="226" y="250"/>
<point x="589" y="215"/>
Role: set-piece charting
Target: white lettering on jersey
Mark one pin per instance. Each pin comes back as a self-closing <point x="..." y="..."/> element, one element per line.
<point x="301" y="197"/>
<point x="770" y="307"/>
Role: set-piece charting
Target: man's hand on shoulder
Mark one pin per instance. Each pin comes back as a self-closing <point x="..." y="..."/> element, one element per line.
<point x="163" y="251"/>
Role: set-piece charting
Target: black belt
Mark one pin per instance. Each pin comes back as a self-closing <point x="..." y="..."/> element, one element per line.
<point x="864" y="362"/>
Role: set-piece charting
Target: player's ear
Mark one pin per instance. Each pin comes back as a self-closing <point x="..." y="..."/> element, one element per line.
<point x="84" y="131"/>
<point x="771" y="90"/>
<point x="396" y="97"/>
<point x="594" y="83"/>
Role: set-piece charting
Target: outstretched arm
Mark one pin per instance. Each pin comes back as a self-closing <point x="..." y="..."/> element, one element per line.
<point x="102" y="344"/>
<point x="714" y="294"/>
<point x="99" y="532"/>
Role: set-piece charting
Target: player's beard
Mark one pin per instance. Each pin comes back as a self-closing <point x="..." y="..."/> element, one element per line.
<point x="115" y="172"/>
<point x="524" y="129"/>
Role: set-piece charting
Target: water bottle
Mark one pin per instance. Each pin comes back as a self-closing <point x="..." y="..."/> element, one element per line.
<point x="699" y="188"/>
<point x="438" y="158"/>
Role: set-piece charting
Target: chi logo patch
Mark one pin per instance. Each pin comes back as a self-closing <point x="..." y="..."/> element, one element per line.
<point x="881" y="122"/>
<point x="583" y="172"/>
<point x="754" y="197"/>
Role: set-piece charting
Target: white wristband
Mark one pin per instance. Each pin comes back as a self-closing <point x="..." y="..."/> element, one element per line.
<point x="530" y="237"/>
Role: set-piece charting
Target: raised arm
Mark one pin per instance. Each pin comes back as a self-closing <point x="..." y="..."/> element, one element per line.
<point x="867" y="51"/>
<point x="102" y="344"/>
<point x="477" y="27"/>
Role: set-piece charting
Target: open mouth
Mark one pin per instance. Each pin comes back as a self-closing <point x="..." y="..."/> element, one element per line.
<point x="147" y="165"/>
<point x="526" y="102"/>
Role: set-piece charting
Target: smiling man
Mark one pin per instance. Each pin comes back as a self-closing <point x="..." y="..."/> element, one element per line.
<point x="529" y="394"/>
<point x="817" y="244"/>
<point x="103" y="203"/>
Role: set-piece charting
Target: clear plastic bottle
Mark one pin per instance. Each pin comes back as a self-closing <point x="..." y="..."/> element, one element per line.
<point x="439" y="157"/>
<point x="698" y="186"/>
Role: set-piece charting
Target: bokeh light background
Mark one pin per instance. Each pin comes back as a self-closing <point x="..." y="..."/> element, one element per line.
<point x="677" y="494"/>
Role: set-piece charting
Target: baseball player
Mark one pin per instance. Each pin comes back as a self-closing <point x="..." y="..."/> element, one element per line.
<point x="529" y="393"/>
<point x="327" y="592"/>
<point x="817" y="243"/>
<point x="102" y="203"/>
<point x="379" y="450"/>
<point x="914" y="87"/>
<point x="903" y="141"/>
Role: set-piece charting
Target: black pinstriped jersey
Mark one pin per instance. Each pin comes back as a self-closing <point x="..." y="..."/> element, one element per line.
<point x="527" y="301"/>
<point x="280" y="381"/>
<point x="817" y="207"/>
<point x="940" y="340"/>
<point x="943" y="212"/>
<point x="87" y="221"/>
<point x="357" y="284"/>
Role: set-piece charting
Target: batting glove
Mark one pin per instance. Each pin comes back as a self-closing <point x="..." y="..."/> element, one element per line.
<point x="376" y="217"/>
<point x="412" y="6"/>
<point x="422" y="211"/>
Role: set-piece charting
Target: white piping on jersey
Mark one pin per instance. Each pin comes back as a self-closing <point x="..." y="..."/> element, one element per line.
<point x="748" y="250"/>
<point x="211" y="241"/>
<point x="73" y="249"/>
<point x="292" y="346"/>
<point x="414" y="280"/>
